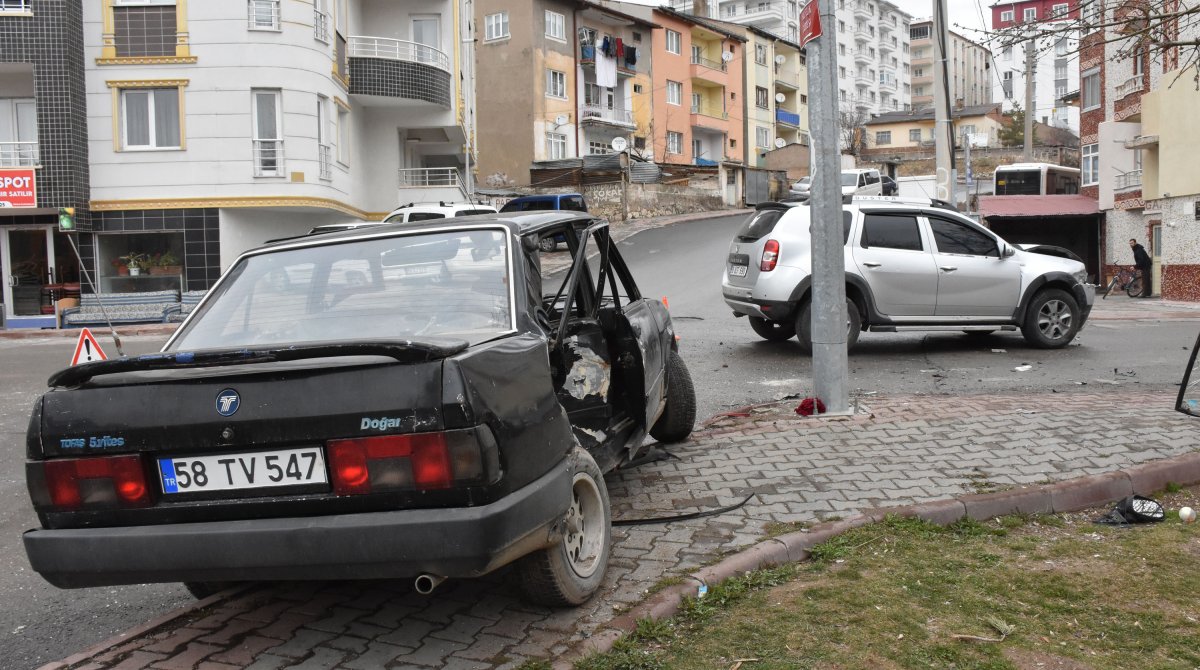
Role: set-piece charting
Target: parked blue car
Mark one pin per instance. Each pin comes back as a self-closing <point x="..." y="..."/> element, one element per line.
<point x="573" y="202"/>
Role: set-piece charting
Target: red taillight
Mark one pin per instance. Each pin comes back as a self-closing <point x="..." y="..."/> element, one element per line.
<point x="770" y="256"/>
<point x="422" y="460"/>
<point x="74" y="482"/>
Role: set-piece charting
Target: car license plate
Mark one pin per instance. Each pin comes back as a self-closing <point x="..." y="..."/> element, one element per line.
<point x="223" y="472"/>
<point x="737" y="270"/>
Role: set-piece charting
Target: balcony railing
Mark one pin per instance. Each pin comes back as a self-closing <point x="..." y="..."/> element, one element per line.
<point x="268" y="158"/>
<point x="424" y="177"/>
<point x="708" y="63"/>
<point x="321" y="26"/>
<point x="710" y="111"/>
<point x="788" y="118"/>
<point x="21" y="6"/>
<point x="401" y="50"/>
<point x="601" y="113"/>
<point x="19" y="154"/>
<point x="864" y="35"/>
<point x="862" y="11"/>
<point x="1131" y="179"/>
<point x="263" y="15"/>
<point x="325" y="158"/>
<point x="862" y="55"/>
<point x="863" y="79"/>
<point x="1132" y="85"/>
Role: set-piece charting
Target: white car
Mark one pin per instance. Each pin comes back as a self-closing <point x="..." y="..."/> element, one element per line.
<point x="441" y="210"/>
<point x="802" y="187"/>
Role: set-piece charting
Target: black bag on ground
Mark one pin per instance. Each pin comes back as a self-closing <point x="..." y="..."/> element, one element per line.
<point x="1134" y="509"/>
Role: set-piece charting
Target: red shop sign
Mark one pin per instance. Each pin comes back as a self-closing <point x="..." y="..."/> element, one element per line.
<point x="18" y="188"/>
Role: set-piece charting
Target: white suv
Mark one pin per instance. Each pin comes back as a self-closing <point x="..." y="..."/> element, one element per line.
<point x="910" y="265"/>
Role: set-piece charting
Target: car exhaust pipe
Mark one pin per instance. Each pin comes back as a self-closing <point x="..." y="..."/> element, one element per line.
<point x="425" y="584"/>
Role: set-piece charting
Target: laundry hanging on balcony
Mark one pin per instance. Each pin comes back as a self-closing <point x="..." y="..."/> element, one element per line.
<point x="606" y="70"/>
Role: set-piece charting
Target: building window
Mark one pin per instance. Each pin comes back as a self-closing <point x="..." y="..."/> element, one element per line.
<point x="1089" y="164"/>
<point x="674" y="43"/>
<point x="883" y="137"/>
<point x="1059" y="11"/>
<point x="1030" y="14"/>
<point x="1091" y="13"/>
<point x="1006" y="84"/>
<point x="599" y="148"/>
<point x="914" y="135"/>
<point x="268" y="136"/>
<point x="343" y="134"/>
<point x="674" y="93"/>
<point x="918" y="33"/>
<point x="556" y="146"/>
<point x="556" y="25"/>
<point x="556" y="84"/>
<point x="1089" y="89"/>
<point x="841" y="72"/>
<point x="841" y="49"/>
<point x="762" y="137"/>
<point x="760" y="54"/>
<point x="1138" y="57"/>
<point x="321" y="20"/>
<point x="150" y="118"/>
<point x="325" y="132"/>
<point x="674" y="142"/>
<point x="762" y="97"/>
<point x="264" y="15"/>
<point x="495" y="26"/>
<point x="1006" y="15"/>
<point x="144" y="28"/>
<point x="16" y="6"/>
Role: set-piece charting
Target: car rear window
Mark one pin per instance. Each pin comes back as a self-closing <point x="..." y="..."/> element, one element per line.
<point x="574" y="204"/>
<point x="891" y="231"/>
<point x="425" y="216"/>
<point x="760" y="224"/>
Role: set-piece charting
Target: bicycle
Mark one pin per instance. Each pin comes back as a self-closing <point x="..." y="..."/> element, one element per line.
<point x="1127" y="279"/>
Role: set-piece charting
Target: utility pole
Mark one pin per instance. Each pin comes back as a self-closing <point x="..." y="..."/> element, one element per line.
<point x="943" y="137"/>
<point x="828" y="299"/>
<point x="1030" y="103"/>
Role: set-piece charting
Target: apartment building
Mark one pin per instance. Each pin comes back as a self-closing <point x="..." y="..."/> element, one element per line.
<point x="911" y="134"/>
<point x="872" y="45"/>
<point x="968" y="68"/>
<point x="1037" y="25"/>
<point x="43" y="154"/>
<point x="559" y="79"/>
<point x="1138" y="146"/>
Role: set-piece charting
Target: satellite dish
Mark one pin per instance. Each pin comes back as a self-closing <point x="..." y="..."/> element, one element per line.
<point x="726" y="56"/>
<point x="780" y="142"/>
<point x="780" y="59"/>
<point x="561" y="119"/>
<point x="619" y="143"/>
<point x="779" y="97"/>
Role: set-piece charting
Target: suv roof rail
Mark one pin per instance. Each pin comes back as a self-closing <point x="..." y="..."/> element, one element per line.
<point x="906" y="200"/>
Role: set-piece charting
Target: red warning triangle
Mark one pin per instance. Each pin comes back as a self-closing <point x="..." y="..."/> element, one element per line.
<point x="87" y="350"/>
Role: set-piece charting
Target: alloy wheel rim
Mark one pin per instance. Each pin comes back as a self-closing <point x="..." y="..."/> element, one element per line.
<point x="583" y="539"/>
<point x="1054" y="319"/>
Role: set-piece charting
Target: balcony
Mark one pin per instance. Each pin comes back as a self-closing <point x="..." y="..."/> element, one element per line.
<point x="1129" y="87"/>
<point x="787" y="118"/>
<point x="863" y="35"/>
<point x="426" y="177"/>
<point x="587" y="58"/>
<point x="708" y="116"/>
<point x="763" y="16"/>
<point x="863" y="57"/>
<point x="598" y="114"/>
<point x="887" y="82"/>
<point x="863" y="79"/>
<point x="787" y="78"/>
<point x="886" y="46"/>
<point x="708" y="70"/>
<point x="19" y="154"/>
<point x="861" y="11"/>
<point x="1128" y="181"/>
<point x="1142" y="141"/>
<point x="389" y="71"/>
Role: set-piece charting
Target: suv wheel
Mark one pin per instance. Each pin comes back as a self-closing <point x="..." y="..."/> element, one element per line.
<point x="1051" y="320"/>
<point x="772" y="331"/>
<point x="548" y="243"/>
<point x="804" y="325"/>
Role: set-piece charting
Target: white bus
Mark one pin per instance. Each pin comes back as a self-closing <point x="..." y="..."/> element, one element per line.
<point x="1036" y="179"/>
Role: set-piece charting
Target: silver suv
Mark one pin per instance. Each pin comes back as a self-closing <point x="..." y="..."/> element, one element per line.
<point x="910" y="265"/>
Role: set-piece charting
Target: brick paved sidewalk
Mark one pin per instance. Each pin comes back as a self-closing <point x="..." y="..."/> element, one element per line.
<point x="909" y="449"/>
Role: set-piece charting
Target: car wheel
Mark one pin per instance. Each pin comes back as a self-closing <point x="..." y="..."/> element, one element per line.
<point x="679" y="416"/>
<point x="772" y="331"/>
<point x="804" y="325"/>
<point x="548" y="243"/>
<point x="1051" y="320"/>
<point x="571" y="571"/>
<point x="202" y="590"/>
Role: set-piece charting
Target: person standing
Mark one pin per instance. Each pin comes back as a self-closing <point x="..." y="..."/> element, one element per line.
<point x="1142" y="260"/>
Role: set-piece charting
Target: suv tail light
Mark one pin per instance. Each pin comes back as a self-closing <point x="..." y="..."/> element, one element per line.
<point x="770" y="256"/>
<point x="423" y="461"/>
<point x="74" y="483"/>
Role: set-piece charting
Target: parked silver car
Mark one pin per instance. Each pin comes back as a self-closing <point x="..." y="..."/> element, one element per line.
<point x="911" y="264"/>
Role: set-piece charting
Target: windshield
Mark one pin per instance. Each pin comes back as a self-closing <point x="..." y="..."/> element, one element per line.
<point x="431" y="285"/>
<point x="849" y="179"/>
<point x="1018" y="182"/>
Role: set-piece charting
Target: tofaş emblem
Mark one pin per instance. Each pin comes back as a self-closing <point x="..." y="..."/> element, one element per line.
<point x="228" y="402"/>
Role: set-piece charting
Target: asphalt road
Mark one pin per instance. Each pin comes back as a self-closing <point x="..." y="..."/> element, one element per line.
<point x="731" y="367"/>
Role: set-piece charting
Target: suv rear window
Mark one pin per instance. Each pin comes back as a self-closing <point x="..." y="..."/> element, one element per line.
<point x="760" y="224"/>
<point x="425" y="216"/>
<point x="891" y="231"/>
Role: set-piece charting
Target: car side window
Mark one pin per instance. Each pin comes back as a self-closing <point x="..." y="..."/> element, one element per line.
<point x="395" y="218"/>
<point x="891" y="231"/>
<point x="952" y="237"/>
<point x="872" y="177"/>
<point x="425" y="216"/>
<point x="574" y="204"/>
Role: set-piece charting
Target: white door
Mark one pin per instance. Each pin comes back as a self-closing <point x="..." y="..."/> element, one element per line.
<point x="268" y="142"/>
<point x="973" y="278"/>
<point x="27" y="256"/>
<point x="426" y="30"/>
<point x="892" y="256"/>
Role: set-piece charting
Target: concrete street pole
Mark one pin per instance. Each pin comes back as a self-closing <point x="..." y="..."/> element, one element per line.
<point x="1030" y="103"/>
<point x="943" y="138"/>
<point x="829" y="361"/>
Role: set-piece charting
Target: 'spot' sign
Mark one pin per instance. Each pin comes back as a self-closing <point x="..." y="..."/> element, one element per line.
<point x="18" y="188"/>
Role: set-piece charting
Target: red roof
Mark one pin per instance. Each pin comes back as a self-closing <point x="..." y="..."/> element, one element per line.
<point x="1037" y="205"/>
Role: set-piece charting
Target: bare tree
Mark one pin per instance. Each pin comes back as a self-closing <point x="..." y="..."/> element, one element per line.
<point x="852" y="131"/>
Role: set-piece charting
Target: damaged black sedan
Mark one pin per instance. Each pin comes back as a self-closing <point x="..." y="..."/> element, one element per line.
<point x="391" y="402"/>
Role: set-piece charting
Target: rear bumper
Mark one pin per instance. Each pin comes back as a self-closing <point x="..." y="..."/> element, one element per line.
<point x="458" y="542"/>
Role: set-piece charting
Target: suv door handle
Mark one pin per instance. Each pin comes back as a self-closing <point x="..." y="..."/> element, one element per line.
<point x="948" y="268"/>
<point x="872" y="264"/>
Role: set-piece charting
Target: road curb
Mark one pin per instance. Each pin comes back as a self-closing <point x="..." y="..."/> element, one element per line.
<point x="1070" y="495"/>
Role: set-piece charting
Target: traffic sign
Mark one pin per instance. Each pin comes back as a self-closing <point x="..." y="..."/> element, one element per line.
<point x="810" y="22"/>
<point x="87" y="349"/>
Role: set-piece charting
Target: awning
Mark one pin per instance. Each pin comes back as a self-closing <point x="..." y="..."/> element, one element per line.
<point x="1040" y="206"/>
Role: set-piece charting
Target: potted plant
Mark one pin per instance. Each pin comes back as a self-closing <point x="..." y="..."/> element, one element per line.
<point x="120" y="266"/>
<point x="165" y="263"/>
<point x="136" y="263"/>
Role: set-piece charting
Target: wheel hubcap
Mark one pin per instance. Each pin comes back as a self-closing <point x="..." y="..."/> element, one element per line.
<point x="1054" y="319"/>
<point x="584" y="527"/>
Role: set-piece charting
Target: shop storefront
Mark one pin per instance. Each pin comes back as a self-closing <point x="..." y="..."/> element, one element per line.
<point x="38" y="265"/>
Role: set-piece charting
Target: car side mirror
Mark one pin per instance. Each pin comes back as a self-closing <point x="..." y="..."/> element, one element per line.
<point x="1188" y="400"/>
<point x="1006" y="251"/>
